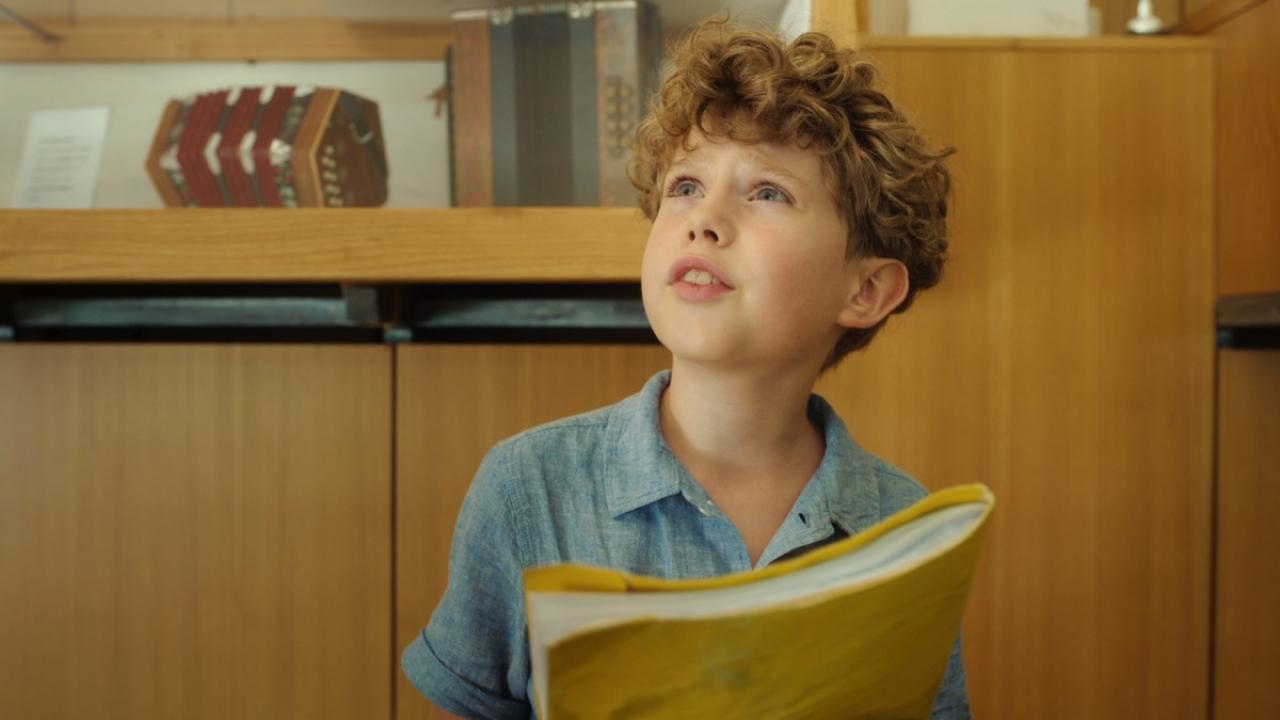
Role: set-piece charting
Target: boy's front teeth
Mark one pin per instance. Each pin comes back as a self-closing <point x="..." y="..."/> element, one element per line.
<point x="700" y="277"/>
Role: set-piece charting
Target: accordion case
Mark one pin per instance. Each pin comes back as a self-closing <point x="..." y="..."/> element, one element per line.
<point x="543" y="100"/>
<point x="273" y="146"/>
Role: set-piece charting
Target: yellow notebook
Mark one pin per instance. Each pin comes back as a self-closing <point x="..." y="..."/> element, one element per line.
<point x="861" y="628"/>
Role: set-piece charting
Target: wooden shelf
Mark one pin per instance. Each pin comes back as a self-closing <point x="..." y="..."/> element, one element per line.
<point x="573" y="245"/>
<point x="1110" y="43"/>
<point x="177" y="40"/>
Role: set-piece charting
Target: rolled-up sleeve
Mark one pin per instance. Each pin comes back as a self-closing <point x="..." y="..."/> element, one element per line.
<point x="472" y="658"/>
<point x="953" y="698"/>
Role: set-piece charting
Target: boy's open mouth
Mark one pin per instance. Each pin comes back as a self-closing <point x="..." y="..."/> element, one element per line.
<point x="698" y="272"/>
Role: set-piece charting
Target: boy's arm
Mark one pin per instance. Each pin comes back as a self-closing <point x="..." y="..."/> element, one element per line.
<point x="472" y="658"/>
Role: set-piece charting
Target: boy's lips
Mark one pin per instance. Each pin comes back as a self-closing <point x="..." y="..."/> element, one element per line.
<point x="698" y="291"/>
<point x="693" y="262"/>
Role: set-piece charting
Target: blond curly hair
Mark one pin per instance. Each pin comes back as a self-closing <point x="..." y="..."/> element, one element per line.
<point x="748" y="85"/>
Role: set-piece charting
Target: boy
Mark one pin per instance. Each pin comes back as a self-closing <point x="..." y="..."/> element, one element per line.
<point x="793" y="210"/>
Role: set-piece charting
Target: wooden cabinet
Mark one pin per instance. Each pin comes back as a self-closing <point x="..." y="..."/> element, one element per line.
<point x="195" y="531"/>
<point x="1067" y="360"/>
<point x="1247" y="628"/>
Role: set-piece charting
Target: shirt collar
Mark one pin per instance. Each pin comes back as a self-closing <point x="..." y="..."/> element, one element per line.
<point x="640" y="466"/>
<point x="641" y="469"/>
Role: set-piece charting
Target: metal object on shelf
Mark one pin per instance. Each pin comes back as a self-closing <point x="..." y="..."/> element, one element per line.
<point x="1249" y="322"/>
<point x="607" y="313"/>
<point x="1145" y="22"/>
<point x="181" y="312"/>
<point x="1249" y="311"/>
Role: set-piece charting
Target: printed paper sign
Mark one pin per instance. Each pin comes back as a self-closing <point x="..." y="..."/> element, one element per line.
<point x="61" y="158"/>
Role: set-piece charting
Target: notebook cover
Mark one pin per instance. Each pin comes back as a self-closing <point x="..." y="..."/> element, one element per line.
<point x="871" y="649"/>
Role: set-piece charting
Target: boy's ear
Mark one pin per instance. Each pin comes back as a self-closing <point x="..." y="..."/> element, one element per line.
<point x="881" y="285"/>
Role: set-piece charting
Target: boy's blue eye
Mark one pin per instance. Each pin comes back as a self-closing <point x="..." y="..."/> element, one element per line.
<point x="772" y="194"/>
<point x="682" y="187"/>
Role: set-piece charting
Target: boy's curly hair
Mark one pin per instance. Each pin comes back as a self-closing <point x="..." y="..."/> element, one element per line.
<point x="890" y="187"/>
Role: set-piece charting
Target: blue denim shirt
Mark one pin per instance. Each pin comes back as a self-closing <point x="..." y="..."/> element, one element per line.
<point x="603" y="488"/>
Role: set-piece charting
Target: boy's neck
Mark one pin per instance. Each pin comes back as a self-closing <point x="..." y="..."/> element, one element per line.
<point x="748" y="426"/>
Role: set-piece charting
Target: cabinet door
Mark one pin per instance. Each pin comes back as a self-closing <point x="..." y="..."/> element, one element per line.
<point x="453" y="402"/>
<point x="195" y="531"/>
<point x="1066" y="360"/>
<point x="1247" y="638"/>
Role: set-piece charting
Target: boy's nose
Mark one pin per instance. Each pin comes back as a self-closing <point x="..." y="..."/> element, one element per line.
<point x="712" y="226"/>
<point x="708" y="233"/>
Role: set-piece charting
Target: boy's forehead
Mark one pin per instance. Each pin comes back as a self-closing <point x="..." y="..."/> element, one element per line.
<point x="786" y="159"/>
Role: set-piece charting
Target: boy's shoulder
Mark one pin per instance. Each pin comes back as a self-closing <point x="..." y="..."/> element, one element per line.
<point x="555" y="435"/>
<point x="898" y="490"/>
<point x="584" y="444"/>
<point x="611" y="423"/>
<point x="866" y="488"/>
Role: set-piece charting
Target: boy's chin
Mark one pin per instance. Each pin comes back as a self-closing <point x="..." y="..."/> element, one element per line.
<point x="699" y="349"/>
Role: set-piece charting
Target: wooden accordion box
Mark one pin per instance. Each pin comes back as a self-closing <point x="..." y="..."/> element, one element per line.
<point x="273" y="146"/>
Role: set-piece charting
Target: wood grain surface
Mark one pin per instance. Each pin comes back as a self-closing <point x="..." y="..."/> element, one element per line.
<point x="195" y="531"/>
<point x="1247" y="633"/>
<point x="1067" y="361"/>
<point x="1248" y="118"/>
<point x="298" y="245"/>
<point x="168" y="39"/>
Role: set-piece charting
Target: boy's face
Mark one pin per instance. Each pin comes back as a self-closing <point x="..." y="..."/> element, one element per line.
<point x="745" y="263"/>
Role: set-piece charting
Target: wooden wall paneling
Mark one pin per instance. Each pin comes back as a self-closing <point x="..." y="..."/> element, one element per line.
<point x="1247" y="630"/>
<point x="838" y="18"/>
<point x="1193" y="7"/>
<point x="1209" y="14"/>
<point x="1248" y="148"/>
<point x="454" y="402"/>
<point x="1067" y="361"/>
<point x="195" y="532"/>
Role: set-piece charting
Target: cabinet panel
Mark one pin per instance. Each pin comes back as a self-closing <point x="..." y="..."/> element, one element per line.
<point x="1067" y="361"/>
<point x="1247" y="637"/>
<point x="453" y="403"/>
<point x="195" y="531"/>
<point x="1248" y="129"/>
